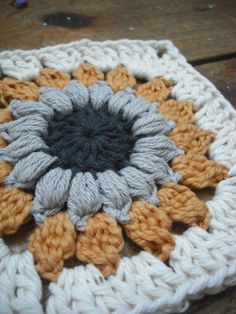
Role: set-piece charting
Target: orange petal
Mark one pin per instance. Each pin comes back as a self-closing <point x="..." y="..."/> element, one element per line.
<point x="156" y="90"/>
<point x="3" y="143"/>
<point x="191" y="138"/>
<point x="119" y="78"/>
<point x="11" y="88"/>
<point x="199" y="172"/>
<point x="15" y="205"/>
<point x="101" y="243"/>
<point x="182" y="205"/>
<point x="53" y="78"/>
<point x="5" y="169"/>
<point x="5" y="116"/>
<point x="149" y="229"/>
<point x="88" y="74"/>
<point x="51" y="244"/>
<point x="179" y="111"/>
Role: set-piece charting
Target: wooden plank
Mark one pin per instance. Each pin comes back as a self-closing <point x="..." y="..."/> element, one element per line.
<point x="223" y="75"/>
<point x="222" y="303"/>
<point x="200" y="29"/>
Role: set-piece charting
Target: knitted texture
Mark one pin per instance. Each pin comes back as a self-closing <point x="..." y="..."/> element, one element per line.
<point x="5" y="116"/>
<point x="88" y="74"/>
<point x="11" y="88"/>
<point x="149" y="229"/>
<point x="108" y="147"/>
<point x="101" y="243"/>
<point x="198" y="172"/>
<point x="52" y="78"/>
<point x="179" y="111"/>
<point x="120" y="78"/>
<point x="193" y="212"/>
<point x="155" y="91"/>
<point x="51" y="244"/>
<point x="191" y="139"/>
<point x="15" y="207"/>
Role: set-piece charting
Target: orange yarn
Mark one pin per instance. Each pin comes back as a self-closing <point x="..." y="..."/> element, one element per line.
<point x="191" y="138"/>
<point x="179" y="111"/>
<point x="119" y="78"/>
<point x="101" y="243"/>
<point x="5" y="116"/>
<point x="156" y="90"/>
<point x="15" y="205"/>
<point x="198" y="172"/>
<point x="3" y="143"/>
<point x="149" y="229"/>
<point x="11" y="88"/>
<point x="51" y="244"/>
<point x="182" y="205"/>
<point x="5" y="169"/>
<point x="53" y="78"/>
<point x="88" y="74"/>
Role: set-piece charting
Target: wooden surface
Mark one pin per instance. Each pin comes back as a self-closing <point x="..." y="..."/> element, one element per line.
<point x="201" y="29"/>
<point x="205" y="32"/>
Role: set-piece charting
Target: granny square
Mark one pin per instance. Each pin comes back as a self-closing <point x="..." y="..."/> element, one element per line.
<point x="117" y="180"/>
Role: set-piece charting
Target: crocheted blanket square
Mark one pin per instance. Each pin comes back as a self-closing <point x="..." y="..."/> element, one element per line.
<point x="117" y="180"/>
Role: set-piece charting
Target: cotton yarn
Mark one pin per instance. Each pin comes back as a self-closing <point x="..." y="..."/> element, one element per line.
<point x="185" y="139"/>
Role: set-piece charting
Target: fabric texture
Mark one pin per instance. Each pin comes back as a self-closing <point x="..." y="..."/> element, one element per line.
<point x="106" y="151"/>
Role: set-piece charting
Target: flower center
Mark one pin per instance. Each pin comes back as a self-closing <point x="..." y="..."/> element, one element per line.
<point x="90" y="140"/>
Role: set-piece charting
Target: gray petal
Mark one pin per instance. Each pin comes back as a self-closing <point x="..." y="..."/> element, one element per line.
<point x="151" y="124"/>
<point x="119" y="100"/>
<point x="114" y="195"/>
<point x="159" y="145"/>
<point x="21" y="147"/>
<point x="78" y="94"/>
<point x="84" y="199"/>
<point x="51" y="193"/>
<point x="99" y="94"/>
<point x="56" y="100"/>
<point x="136" y="107"/>
<point x="156" y="166"/>
<point x="21" y="109"/>
<point x="141" y="185"/>
<point x="29" y="169"/>
<point x="34" y="124"/>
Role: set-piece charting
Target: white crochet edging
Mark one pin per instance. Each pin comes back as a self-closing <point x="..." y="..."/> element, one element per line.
<point x="20" y="285"/>
<point x="202" y="262"/>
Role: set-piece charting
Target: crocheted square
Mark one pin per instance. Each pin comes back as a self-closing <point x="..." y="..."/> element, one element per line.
<point x="106" y="151"/>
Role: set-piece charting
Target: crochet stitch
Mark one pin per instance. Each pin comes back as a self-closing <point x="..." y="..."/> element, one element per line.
<point x="104" y="145"/>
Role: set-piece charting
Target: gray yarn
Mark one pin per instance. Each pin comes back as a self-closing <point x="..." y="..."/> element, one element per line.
<point x="51" y="194"/>
<point x="119" y="100"/>
<point x="33" y="124"/>
<point x="136" y="107"/>
<point x="56" y="100"/>
<point x="99" y="94"/>
<point x="156" y="166"/>
<point x="29" y="169"/>
<point x="141" y="185"/>
<point x="115" y="196"/>
<point x="159" y="145"/>
<point x="84" y="199"/>
<point x="78" y="94"/>
<point x="151" y="124"/>
<point x="21" y="109"/>
<point x="24" y="145"/>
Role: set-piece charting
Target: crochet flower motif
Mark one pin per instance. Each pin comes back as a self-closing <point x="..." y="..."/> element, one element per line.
<point x="84" y="155"/>
<point x="90" y="148"/>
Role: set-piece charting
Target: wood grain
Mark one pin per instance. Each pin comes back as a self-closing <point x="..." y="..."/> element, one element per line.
<point x="223" y="75"/>
<point x="199" y="28"/>
<point x="222" y="303"/>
